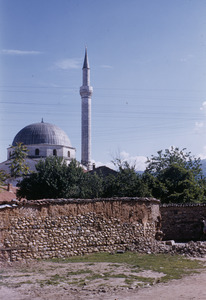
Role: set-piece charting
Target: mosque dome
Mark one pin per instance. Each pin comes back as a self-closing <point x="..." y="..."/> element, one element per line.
<point x="42" y="133"/>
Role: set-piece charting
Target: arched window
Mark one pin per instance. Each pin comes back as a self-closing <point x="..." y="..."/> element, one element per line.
<point x="68" y="154"/>
<point x="55" y="152"/>
<point x="36" y="151"/>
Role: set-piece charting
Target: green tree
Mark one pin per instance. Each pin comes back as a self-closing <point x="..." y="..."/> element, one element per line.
<point x="54" y="179"/>
<point x="175" y="176"/>
<point x="3" y="177"/>
<point x="156" y="164"/>
<point x="93" y="186"/>
<point x="17" y="161"/>
<point x="75" y="178"/>
<point x="127" y="183"/>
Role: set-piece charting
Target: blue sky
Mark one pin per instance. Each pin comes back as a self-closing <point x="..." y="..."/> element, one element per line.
<point x="148" y="72"/>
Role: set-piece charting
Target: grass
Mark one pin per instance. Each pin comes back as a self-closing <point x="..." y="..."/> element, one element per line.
<point x="174" y="267"/>
<point x="126" y="266"/>
<point x="82" y="271"/>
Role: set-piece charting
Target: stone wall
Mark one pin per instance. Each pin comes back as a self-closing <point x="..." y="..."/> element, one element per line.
<point x="61" y="228"/>
<point x="182" y="222"/>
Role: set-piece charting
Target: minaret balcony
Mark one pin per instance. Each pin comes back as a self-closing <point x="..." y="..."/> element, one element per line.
<point x="86" y="91"/>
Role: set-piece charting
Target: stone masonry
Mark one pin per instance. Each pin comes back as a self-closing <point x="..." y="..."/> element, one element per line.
<point x="62" y="228"/>
<point x="182" y="222"/>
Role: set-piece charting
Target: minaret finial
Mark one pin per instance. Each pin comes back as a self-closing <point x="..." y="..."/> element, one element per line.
<point x="42" y="120"/>
<point x="86" y="61"/>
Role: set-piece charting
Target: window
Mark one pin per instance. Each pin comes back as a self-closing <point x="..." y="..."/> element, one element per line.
<point x="55" y="152"/>
<point x="68" y="154"/>
<point x="36" y="151"/>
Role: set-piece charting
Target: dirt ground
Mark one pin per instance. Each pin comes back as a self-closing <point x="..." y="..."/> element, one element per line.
<point x="81" y="281"/>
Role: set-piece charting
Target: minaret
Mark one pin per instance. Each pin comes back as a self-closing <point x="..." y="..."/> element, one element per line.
<point x="86" y="93"/>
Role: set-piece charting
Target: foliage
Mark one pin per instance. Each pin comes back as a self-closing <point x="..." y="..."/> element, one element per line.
<point x="127" y="183"/>
<point x="3" y="177"/>
<point x="156" y="164"/>
<point x="175" y="176"/>
<point x="54" y="179"/>
<point x="93" y="186"/>
<point x="17" y="164"/>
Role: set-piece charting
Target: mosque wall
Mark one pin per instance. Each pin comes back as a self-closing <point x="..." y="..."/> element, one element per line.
<point x="40" y="150"/>
<point x="62" y="228"/>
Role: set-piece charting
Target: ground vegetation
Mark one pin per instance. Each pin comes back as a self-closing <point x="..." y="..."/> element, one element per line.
<point x="104" y="276"/>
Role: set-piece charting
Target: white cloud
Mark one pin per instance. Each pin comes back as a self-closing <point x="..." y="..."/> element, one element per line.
<point x="199" y="125"/>
<point x="106" y="67"/>
<point x="203" y="154"/>
<point x="137" y="161"/>
<point x="19" y="52"/>
<point x="187" y="58"/>
<point x="70" y="63"/>
<point x="203" y="107"/>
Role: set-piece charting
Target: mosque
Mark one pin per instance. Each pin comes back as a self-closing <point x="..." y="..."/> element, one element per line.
<point x="44" y="139"/>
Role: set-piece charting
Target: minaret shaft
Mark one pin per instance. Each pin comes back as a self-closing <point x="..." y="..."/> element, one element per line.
<point x="86" y="131"/>
<point x="86" y="93"/>
<point x="86" y="77"/>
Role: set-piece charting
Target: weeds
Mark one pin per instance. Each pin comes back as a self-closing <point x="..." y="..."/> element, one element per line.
<point x="125" y="267"/>
<point x="81" y="271"/>
<point x="174" y="267"/>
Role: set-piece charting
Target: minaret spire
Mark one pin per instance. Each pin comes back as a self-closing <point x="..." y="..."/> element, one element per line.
<point x="86" y="61"/>
<point x="86" y="93"/>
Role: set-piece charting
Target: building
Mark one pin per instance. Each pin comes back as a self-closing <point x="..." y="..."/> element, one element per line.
<point x="45" y="139"/>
